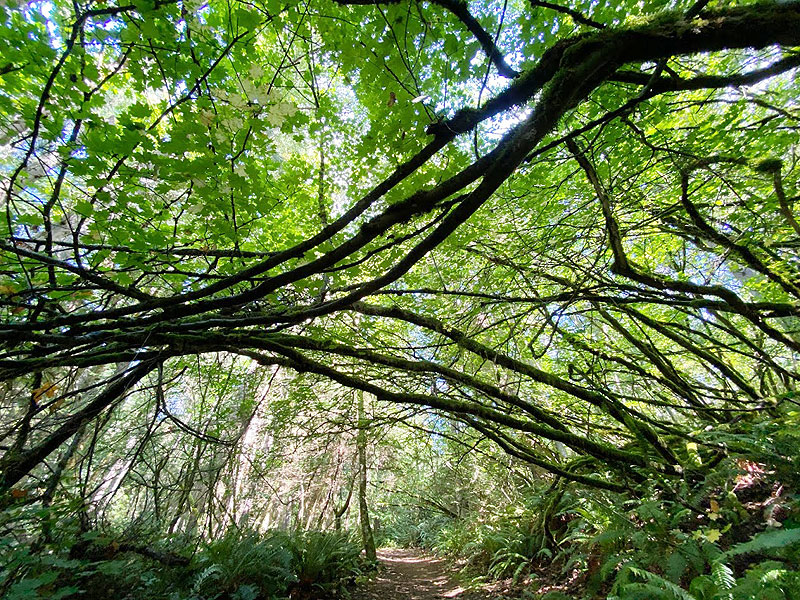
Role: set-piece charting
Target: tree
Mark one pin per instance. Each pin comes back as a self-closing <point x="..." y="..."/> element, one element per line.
<point x="569" y="227"/>
<point x="361" y="442"/>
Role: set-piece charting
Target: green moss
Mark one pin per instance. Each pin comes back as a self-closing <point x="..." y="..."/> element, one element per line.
<point x="768" y="165"/>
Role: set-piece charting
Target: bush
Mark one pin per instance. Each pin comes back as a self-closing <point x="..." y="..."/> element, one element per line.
<point x="303" y="564"/>
<point x="324" y="562"/>
<point x="240" y="563"/>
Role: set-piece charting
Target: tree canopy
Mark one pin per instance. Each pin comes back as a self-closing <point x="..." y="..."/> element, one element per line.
<point x="567" y="227"/>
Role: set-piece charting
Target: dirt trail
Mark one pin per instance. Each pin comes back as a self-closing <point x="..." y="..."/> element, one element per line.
<point x="412" y="575"/>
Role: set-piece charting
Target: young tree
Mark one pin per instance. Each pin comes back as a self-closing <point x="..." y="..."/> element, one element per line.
<point x="367" y="536"/>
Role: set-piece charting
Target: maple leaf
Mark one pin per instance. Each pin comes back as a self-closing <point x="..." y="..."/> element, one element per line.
<point x="713" y="535"/>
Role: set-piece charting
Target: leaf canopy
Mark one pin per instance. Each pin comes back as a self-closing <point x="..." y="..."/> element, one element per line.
<point x="569" y="227"/>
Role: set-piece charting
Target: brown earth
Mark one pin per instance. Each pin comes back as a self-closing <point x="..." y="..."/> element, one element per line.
<point x="414" y="575"/>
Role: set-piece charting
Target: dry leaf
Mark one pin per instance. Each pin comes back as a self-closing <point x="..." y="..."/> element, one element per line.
<point x="47" y="389"/>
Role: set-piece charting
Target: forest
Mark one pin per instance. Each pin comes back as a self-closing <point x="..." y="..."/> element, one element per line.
<point x="512" y="286"/>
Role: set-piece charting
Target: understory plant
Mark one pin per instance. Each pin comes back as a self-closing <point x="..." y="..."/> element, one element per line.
<point x="727" y="532"/>
<point x="239" y="565"/>
<point x="770" y="579"/>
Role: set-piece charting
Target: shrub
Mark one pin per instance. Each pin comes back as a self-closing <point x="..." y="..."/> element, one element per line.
<point x="241" y="562"/>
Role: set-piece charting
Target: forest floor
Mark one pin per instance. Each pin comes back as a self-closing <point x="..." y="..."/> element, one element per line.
<point x="414" y="575"/>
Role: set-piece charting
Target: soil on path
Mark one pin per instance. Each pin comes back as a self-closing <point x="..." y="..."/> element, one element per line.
<point x="412" y="575"/>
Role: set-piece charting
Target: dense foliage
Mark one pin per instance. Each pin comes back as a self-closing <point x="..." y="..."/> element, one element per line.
<point x="239" y="565"/>
<point x="519" y="261"/>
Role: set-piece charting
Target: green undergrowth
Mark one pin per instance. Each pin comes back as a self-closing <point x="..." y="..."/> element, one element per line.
<point x="239" y="565"/>
<point x="600" y="545"/>
<point x="731" y="532"/>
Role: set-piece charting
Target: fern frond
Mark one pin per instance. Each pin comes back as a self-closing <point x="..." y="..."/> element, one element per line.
<point x="767" y="540"/>
<point x="212" y="572"/>
<point x="723" y="578"/>
<point x="669" y="589"/>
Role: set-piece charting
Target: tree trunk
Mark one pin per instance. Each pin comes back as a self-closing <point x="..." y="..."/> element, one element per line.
<point x="361" y="443"/>
<point x="338" y="511"/>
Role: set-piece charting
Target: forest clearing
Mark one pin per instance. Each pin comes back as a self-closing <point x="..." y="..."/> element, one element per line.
<point x="411" y="299"/>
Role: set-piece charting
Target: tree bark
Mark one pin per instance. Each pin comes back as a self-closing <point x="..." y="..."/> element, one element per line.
<point x="361" y="443"/>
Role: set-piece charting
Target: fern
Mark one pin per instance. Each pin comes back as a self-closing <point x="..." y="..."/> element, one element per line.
<point x="649" y="591"/>
<point x="610" y="565"/>
<point x="767" y="540"/>
<point x="611" y="538"/>
<point x="769" y="580"/>
<point x="507" y="561"/>
<point x="246" y="592"/>
<point x="722" y="576"/>
<point x="208" y="574"/>
<point x="675" y="566"/>
<point x="654" y="584"/>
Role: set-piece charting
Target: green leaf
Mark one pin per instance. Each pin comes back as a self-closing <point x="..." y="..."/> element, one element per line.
<point x="249" y="19"/>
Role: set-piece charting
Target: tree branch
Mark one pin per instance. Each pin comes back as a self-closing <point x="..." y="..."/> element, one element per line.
<point x="459" y="9"/>
<point x="576" y="15"/>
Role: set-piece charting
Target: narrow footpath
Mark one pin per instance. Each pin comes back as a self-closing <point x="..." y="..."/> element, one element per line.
<point x="412" y="575"/>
